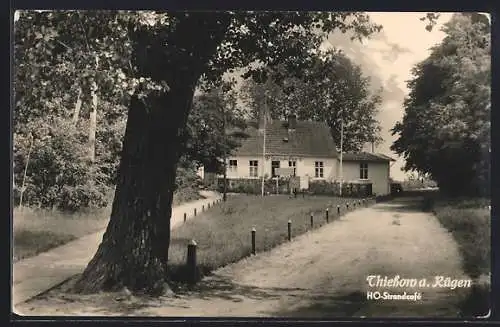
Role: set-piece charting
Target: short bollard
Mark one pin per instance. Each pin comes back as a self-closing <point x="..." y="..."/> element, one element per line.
<point x="347" y="206"/>
<point x="185" y="217"/>
<point x="209" y="205"/>
<point x="191" y="262"/>
<point x="213" y="202"/>
<point x="203" y="208"/>
<point x="338" y="210"/>
<point x="253" y="240"/>
<point x="289" y="230"/>
<point x="312" y="220"/>
<point x="195" y="211"/>
<point x="326" y="215"/>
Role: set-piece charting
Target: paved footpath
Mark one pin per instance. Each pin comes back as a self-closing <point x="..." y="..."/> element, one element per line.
<point x="35" y="275"/>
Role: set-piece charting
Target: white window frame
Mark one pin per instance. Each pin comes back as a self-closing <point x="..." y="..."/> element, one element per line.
<point x="253" y="168"/>
<point x="233" y="168"/>
<point x="363" y="171"/>
<point x="319" y="169"/>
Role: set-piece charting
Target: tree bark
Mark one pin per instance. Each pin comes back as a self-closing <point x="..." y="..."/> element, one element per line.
<point x="134" y="249"/>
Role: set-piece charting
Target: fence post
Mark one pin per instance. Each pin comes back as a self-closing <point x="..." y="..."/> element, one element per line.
<point x="185" y="217"/>
<point x="338" y="209"/>
<point x="312" y="220"/>
<point x="253" y="240"/>
<point x="326" y="213"/>
<point x="289" y="230"/>
<point x="195" y="212"/>
<point x="191" y="262"/>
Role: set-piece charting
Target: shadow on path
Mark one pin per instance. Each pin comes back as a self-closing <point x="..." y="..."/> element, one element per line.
<point x="403" y="204"/>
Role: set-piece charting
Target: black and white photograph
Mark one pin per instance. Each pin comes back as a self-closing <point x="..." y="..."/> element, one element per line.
<point x="251" y="164"/>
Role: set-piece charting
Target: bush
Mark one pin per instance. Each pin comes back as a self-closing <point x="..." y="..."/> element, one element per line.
<point x="253" y="186"/>
<point x="348" y="189"/>
<point x="59" y="174"/>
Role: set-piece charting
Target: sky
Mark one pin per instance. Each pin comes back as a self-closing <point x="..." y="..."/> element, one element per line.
<point x="388" y="58"/>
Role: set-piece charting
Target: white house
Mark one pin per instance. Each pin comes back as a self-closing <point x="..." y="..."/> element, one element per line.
<point x="309" y="149"/>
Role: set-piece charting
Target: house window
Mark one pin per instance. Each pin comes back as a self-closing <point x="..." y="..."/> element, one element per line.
<point x="274" y="164"/>
<point x="233" y="165"/>
<point x="254" y="168"/>
<point x="318" y="169"/>
<point x="363" y="170"/>
<point x="293" y="163"/>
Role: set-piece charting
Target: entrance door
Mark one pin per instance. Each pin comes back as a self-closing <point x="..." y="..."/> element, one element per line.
<point x="274" y="164"/>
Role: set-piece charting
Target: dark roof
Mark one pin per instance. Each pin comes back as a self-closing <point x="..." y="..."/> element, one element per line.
<point x="309" y="139"/>
<point x="366" y="156"/>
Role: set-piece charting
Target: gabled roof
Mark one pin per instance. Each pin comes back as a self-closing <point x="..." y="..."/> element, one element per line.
<point x="366" y="156"/>
<point x="309" y="139"/>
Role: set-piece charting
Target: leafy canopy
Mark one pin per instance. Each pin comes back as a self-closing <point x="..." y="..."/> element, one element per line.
<point x="333" y="89"/>
<point x="445" y="131"/>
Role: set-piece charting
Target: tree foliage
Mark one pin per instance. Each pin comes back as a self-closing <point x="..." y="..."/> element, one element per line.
<point x="59" y="57"/>
<point x="215" y="127"/>
<point x="333" y="89"/>
<point x="445" y="131"/>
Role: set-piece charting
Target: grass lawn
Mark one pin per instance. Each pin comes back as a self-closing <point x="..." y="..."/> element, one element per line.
<point x="223" y="233"/>
<point x="37" y="230"/>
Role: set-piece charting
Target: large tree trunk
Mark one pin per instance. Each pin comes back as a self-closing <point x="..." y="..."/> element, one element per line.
<point x="134" y="249"/>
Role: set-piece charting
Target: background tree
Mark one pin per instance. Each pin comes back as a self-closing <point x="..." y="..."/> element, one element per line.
<point x="445" y="131"/>
<point x="332" y="89"/>
<point x="214" y="127"/>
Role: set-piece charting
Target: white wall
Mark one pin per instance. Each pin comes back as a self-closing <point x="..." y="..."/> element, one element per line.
<point x="304" y="166"/>
<point x="378" y="175"/>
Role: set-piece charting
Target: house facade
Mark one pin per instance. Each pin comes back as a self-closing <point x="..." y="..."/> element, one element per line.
<point x="308" y="149"/>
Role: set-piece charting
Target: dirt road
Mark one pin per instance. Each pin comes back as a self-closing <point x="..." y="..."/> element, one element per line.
<point x="319" y="274"/>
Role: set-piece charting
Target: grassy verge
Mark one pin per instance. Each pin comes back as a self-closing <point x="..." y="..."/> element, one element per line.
<point x="223" y="233"/>
<point x="37" y="230"/>
<point x="469" y="221"/>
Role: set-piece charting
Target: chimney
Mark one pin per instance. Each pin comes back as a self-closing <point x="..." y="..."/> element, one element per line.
<point x="292" y="122"/>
